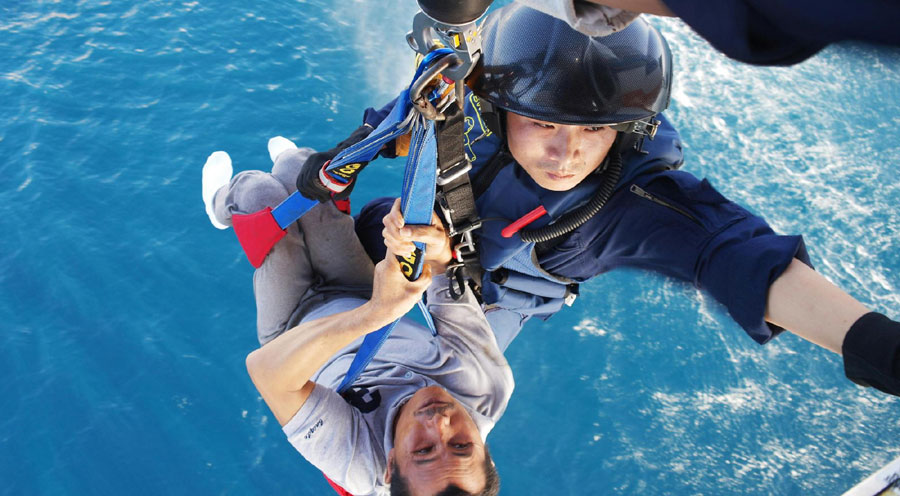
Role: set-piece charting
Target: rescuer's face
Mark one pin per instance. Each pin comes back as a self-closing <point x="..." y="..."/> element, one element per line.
<point x="557" y="156"/>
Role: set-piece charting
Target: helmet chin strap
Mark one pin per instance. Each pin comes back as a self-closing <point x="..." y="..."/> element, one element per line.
<point x="617" y="147"/>
<point x="494" y="117"/>
<point x="624" y="141"/>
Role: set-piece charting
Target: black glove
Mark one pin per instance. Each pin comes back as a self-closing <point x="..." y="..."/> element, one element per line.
<point x="308" y="182"/>
<point x="871" y="352"/>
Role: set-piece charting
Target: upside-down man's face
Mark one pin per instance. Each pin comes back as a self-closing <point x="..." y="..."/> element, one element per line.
<point x="437" y="443"/>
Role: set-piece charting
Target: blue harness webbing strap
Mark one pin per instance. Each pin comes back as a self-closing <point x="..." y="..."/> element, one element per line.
<point x="291" y="209"/>
<point x="397" y="123"/>
<point x="416" y="203"/>
<point x="427" y="315"/>
<point x="417" y="198"/>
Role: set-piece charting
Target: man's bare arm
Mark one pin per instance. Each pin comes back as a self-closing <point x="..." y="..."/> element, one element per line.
<point x="655" y="7"/>
<point x="281" y="370"/>
<point x="802" y="301"/>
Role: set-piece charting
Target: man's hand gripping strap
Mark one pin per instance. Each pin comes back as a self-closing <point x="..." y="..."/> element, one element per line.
<point x="416" y="203"/>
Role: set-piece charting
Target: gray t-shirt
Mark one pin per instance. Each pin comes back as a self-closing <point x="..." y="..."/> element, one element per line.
<point x="348" y="440"/>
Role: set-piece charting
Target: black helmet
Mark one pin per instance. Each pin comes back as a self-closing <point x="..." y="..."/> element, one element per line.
<point x="536" y="65"/>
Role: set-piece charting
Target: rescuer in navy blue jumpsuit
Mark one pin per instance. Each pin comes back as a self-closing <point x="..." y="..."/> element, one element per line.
<point x="558" y="118"/>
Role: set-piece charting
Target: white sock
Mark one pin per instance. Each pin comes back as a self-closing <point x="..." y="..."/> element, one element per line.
<point x="279" y="144"/>
<point x="216" y="173"/>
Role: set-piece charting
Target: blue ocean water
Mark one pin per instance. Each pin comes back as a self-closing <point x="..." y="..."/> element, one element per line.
<point x="126" y="317"/>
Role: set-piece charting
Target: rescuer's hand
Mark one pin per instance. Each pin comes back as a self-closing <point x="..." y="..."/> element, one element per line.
<point x="310" y="185"/>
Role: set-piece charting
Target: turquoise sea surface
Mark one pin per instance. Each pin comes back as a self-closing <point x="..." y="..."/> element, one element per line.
<point x="126" y="317"/>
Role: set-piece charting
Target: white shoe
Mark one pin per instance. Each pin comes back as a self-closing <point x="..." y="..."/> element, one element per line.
<point x="279" y="144"/>
<point x="216" y="173"/>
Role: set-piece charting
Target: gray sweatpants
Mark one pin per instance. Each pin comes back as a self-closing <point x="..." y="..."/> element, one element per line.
<point x="320" y="258"/>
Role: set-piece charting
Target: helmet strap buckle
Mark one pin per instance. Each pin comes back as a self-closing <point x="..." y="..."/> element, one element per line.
<point x="637" y="130"/>
<point x="642" y="127"/>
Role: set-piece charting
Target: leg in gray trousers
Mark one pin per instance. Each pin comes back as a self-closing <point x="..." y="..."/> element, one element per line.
<point x="320" y="258"/>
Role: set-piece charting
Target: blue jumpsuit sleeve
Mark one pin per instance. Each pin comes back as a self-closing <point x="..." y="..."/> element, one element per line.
<point x="675" y="224"/>
<point x="775" y="32"/>
<point x="368" y="227"/>
<point x="739" y="265"/>
<point x="738" y="256"/>
<point x="374" y="117"/>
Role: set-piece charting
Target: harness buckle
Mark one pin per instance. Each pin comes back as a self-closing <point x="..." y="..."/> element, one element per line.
<point x="571" y="294"/>
<point x="446" y="213"/>
<point x="454" y="172"/>
<point x="466" y="246"/>
<point x="464" y="254"/>
<point x="465" y="231"/>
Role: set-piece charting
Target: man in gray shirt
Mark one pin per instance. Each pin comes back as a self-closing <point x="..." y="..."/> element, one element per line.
<point x="418" y="415"/>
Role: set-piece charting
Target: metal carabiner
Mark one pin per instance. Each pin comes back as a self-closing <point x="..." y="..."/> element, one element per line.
<point x="418" y="100"/>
